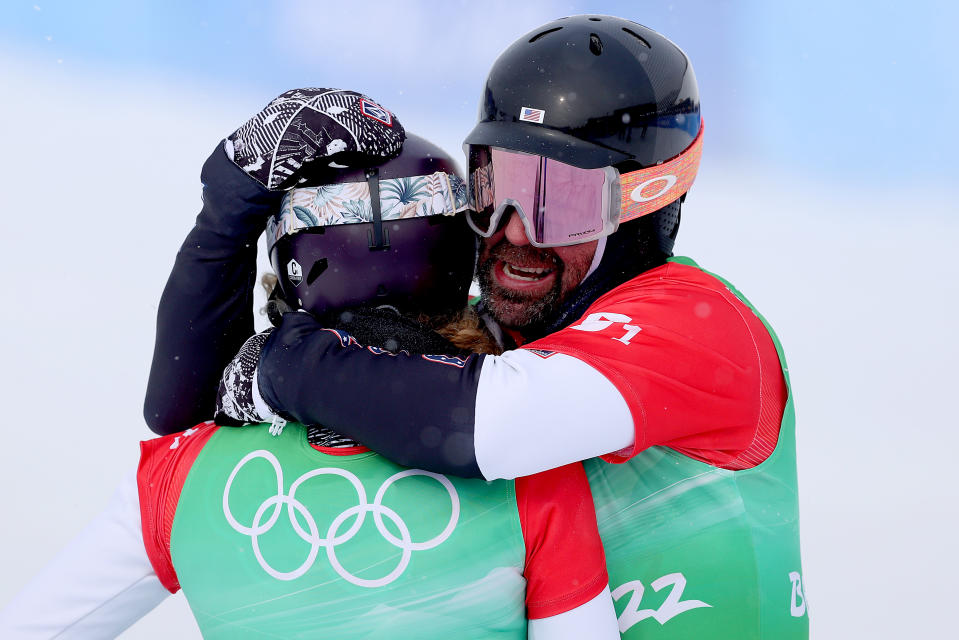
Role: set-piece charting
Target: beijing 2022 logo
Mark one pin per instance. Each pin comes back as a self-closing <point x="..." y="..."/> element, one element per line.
<point x="333" y="537"/>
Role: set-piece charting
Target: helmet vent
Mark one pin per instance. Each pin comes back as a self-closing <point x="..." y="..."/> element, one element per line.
<point x="595" y="44"/>
<point x="543" y="33"/>
<point x="638" y="37"/>
<point x="317" y="270"/>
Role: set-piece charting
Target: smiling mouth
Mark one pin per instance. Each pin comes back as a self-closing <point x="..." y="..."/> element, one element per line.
<point x="528" y="274"/>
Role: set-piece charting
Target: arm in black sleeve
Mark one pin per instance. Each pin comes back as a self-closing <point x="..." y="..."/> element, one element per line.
<point x="322" y="376"/>
<point x="206" y="311"/>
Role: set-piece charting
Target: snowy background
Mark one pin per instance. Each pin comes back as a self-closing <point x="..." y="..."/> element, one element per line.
<point x="827" y="193"/>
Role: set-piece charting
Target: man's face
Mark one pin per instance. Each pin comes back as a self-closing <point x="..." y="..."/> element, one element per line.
<point x="521" y="284"/>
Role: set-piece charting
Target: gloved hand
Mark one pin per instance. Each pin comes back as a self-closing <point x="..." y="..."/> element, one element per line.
<point x="238" y="400"/>
<point x="340" y="128"/>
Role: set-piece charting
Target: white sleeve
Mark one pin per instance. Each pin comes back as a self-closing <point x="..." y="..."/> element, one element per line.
<point x="595" y="620"/>
<point x="535" y="413"/>
<point x="96" y="586"/>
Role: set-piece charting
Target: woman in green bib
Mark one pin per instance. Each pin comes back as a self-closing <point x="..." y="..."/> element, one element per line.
<point x="279" y="530"/>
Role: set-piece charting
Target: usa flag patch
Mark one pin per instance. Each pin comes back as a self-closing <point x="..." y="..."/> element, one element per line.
<point x="542" y="353"/>
<point x="529" y="114"/>
<point x="452" y="361"/>
<point x="375" y="111"/>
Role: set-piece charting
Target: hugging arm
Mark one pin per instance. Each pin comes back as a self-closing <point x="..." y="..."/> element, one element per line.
<point x="206" y="311"/>
<point x="483" y="416"/>
<point x="709" y="386"/>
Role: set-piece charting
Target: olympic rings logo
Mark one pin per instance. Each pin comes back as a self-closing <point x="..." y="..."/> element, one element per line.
<point x="333" y="537"/>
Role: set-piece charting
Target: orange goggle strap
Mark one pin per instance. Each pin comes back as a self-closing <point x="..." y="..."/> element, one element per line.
<point x="651" y="189"/>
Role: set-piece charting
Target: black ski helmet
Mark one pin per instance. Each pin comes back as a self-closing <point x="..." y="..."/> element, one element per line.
<point x="416" y="264"/>
<point x="612" y="92"/>
<point x="608" y="92"/>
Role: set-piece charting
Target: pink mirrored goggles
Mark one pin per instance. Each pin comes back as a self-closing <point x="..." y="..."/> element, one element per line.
<point x="562" y="205"/>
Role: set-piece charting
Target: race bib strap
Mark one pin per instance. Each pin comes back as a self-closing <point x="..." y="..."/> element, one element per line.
<point x="164" y="465"/>
<point x="565" y="564"/>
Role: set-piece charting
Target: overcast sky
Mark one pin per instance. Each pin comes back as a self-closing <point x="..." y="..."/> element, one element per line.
<point x="826" y="194"/>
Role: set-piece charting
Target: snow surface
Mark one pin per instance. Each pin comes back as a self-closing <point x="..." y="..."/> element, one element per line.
<point x="101" y="184"/>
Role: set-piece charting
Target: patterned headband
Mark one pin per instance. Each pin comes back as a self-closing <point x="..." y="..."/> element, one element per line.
<point x="350" y="203"/>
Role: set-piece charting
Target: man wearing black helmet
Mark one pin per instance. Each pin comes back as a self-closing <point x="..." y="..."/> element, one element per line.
<point x="588" y="139"/>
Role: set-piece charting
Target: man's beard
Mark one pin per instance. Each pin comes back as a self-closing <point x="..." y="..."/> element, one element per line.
<point x="515" y="309"/>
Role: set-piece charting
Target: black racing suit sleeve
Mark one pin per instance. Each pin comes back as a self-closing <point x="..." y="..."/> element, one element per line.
<point x="206" y="310"/>
<point x="416" y="410"/>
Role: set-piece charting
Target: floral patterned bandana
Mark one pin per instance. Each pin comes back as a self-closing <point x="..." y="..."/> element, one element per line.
<point x="350" y="203"/>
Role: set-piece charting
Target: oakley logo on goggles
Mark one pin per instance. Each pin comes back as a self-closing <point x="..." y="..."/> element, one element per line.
<point x="350" y="203"/>
<point x="560" y="204"/>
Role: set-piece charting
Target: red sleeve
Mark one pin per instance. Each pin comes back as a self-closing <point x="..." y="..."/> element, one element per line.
<point x="565" y="563"/>
<point x="164" y="465"/>
<point x="696" y="366"/>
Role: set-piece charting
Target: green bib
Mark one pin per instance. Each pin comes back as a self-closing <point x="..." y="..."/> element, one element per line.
<point x="694" y="551"/>
<point x="274" y="539"/>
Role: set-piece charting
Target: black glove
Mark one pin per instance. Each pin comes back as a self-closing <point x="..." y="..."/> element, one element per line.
<point x="341" y="128"/>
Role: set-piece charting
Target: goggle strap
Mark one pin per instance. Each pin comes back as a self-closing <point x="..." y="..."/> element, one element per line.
<point x="379" y="237"/>
<point x="300" y="208"/>
<point x="447" y="194"/>
<point x="650" y="189"/>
